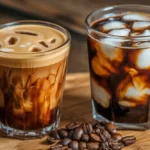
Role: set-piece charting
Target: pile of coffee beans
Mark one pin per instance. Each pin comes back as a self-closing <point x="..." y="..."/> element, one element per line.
<point x="85" y="136"/>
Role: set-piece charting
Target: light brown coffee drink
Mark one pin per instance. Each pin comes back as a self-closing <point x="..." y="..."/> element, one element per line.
<point x="33" y="59"/>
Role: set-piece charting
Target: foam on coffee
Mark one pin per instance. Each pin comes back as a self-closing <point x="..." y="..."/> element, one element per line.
<point x="21" y="42"/>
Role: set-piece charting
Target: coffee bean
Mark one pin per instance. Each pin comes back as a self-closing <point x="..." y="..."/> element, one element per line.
<point x="107" y="144"/>
<point x="56" y="147"/>
<point x="128" y="140"/>
<point x="55" y="134"/>
<point x="63" y="133"/>
<point x="110" y="127"/>
<point x="51" y="140"/>
<point x="97" y="131"/>
<point x="89" y="128"/>
<point x="104" y="147"/>
<point x="98" y="126"/>
<point x="92" y="145"/>
<point x="82" y="146"/>
<point x="116" y="136"/>
<point x="116" y="145"/>
<point x="70" y="134"/>
<point x="74" y="125"/>
<point x="65" y="141"/>
<point x="102" y="137"/>
<point x="77" y="134"/>
<point x="84" y="128"/>
<point x="106" y="134"/>
<point x="74" y="145"/>
<point x="94" y="137"/>
<point x="111" y="140"/>
<point x="85" y="137"/>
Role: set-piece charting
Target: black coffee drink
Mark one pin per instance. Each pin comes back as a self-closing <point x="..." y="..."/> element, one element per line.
<point x="120" y="67"/>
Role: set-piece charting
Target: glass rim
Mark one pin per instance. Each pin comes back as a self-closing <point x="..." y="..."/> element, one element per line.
<point x="88" y="25"/>
<point x="42" y="23"/>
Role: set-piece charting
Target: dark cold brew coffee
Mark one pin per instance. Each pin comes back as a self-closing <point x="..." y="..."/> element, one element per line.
<point x="120" y="67"/>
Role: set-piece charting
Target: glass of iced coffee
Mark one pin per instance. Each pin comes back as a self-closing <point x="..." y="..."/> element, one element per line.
<point x="119" y="60"/>
<point x="33" y="60"/>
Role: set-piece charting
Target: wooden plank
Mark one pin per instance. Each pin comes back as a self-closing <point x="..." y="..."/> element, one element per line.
<point x="76" y="106"/>
<point x="69" y="13"/>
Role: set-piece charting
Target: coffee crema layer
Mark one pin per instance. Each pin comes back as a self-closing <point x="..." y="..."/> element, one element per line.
<point x="28" y="46"/>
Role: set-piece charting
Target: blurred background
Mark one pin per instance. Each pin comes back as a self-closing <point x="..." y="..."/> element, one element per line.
<point x="69" y="13"/>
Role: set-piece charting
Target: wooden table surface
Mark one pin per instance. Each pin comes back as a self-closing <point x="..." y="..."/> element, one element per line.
<point x="76" y="107"/>
<point x="71" y="14"/>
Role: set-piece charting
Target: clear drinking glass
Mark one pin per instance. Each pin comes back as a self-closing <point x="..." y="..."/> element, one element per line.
<point x="119" y="72"/>
<point x="31" y="84"/>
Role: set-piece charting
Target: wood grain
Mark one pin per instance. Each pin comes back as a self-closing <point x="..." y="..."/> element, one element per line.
<point x="76" y="106"/>
<point x="69" y="13"/>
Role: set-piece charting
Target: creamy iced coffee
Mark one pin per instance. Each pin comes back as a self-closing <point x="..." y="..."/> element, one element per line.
<point x="33" y="60"/>
<point x="120" y="67"/>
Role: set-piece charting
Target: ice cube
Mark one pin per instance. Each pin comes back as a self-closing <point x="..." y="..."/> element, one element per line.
<point x="18" y="78"/>
<point x="113" y="25"/>
<point x="110" y="49"/>
<point x="143" y="59"/>
<point x="98" y="68"/>
<point x="43" y="84"/>
<point x="136" y="26"/>
<point x="111" y="42"/>
<point x="140" y="58"/>
<point x="134" y="16"/>
<point x="60" y="71"/>
<point x="140" y="81"/>
<point x="120" y="32"/>
<point x="35" y="74"/>
<point x="100" y="94"/>
<point x="133" y="89"/>
<point x="126" y="103"/>
<point x="130" y="94"/>
<point x="28" y="106"/>
<point x="136" y="95"/>
<point x="144" y="33"/>
<point x="54" y="98"/>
